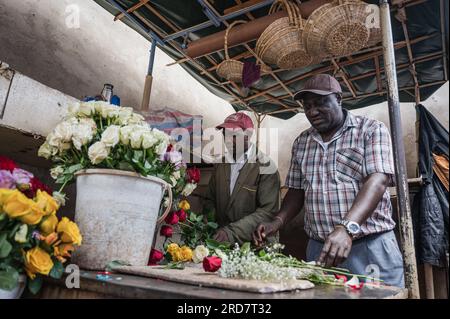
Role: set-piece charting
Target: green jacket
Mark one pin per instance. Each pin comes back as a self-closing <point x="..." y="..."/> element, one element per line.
<point x="255" y="199"/>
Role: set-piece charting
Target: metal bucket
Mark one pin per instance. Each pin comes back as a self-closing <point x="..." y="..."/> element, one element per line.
<point x="117" y="213"/>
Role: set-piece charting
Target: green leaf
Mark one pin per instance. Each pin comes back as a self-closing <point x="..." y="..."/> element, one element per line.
<point x="9" y="278"/>
<point x="193" y="217"/>
<point x="35" y="285"/>
<point x="175" y="265"/>
<point x="125" y="166"/>
<point x="262" y="253"/>
<point x="14" y="230"/>
<point x="245" y="249"/>
<point x="74" y="168"/>
<point x="2" y="216"/>
<point x="213" y="225"/>
<point x="5" y="246"/>
<point x="116" y="263"/>
<point x="212" y="244"/>
<point x="57" y="270"/>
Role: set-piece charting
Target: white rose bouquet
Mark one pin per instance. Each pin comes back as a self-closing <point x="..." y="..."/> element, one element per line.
<point x="100" y="135"/>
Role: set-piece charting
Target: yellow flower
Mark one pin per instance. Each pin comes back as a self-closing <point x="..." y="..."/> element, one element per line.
<point x="46" y="202"/>
<point x="172" y="248"/>
<point x="17" y="204"/>
<point x="37" y="261"/>
<point x="49" y="224"/>
<point x="70" y="232"/>
<point x="5" y="193"/>
<point x="186" y="253"/>
<point x="177" y="255"/>
<point x="184" y="205"/>
<point x="34" y="216"/>
<point x="50" y="239"/>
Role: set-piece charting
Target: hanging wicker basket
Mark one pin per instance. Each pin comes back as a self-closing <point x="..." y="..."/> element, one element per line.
<point x="281" y="43"/>
<point x="230" y="69"/>
<point x="337" y="29"/>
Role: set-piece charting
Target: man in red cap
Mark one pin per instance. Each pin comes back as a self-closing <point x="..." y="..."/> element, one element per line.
<point x="241" y="193"/>
<point x="339" y="174"/>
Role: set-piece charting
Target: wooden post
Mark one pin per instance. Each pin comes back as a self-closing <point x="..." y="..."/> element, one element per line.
<point x="406" y="230"/>
<point x="145" y="106"/>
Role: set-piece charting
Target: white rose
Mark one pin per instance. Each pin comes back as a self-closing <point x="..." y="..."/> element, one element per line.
<point x="63" y="131"/>
<point x="64" y="147"/>
<point x="82" y="135"/>
<point x="136" y="119"/>
<point x="160" y="135"/>
<point x="111" y="136"/>
<point x="60" y="198"/>
<point x="136" y="137"/>
<point x="161" y="148"/>
<point x="98" y="152"/>
<point x="45" y="150"/>
<point x="90" y="122"/>
<point x="176" y="175"/>
<point x="125" y="114"/>
<point x="110" y="111"/>
<point x="74" y="108"/>
<point x="199" y="253"/>
<point x="99" y="106"/>
<point x="125" y="132"/>
<point x="173" y="181"/>
<point x="87" y="108"/>
<point x="148" y="139"/>
<point x="188" y="189"/>
<point x="56" y="171"/>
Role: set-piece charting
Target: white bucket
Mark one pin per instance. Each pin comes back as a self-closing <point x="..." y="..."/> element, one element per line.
<point x="117" y="213"/>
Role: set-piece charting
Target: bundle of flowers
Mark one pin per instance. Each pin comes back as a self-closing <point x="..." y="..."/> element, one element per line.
<point x="96" y="134"/>
<point x="196" y="232"/>
<point x="32" y="238"/>
<point x="269" y="264"/>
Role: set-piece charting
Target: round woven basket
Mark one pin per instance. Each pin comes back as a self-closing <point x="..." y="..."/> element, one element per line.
<point x="230" y="69"/>
<point x="336" y="29"/>
<point x="281" y="43"/>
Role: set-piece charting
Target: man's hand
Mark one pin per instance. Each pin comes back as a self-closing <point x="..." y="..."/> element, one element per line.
<point x="337" y="247"/>
<point x="263" y="230"/>
<point x="221" y="236"/>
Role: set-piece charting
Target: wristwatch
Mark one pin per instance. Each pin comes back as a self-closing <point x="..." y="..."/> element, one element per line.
<point x="352" y="228"/>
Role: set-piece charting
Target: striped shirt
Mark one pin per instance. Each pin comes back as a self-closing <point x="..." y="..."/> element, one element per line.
<point x="332" y="173"/>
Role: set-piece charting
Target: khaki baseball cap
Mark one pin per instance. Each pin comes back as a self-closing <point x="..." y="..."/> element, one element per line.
<point x="322" y="84"/>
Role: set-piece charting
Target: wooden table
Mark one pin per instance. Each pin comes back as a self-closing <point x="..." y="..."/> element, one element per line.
<point x="128" y="286"/>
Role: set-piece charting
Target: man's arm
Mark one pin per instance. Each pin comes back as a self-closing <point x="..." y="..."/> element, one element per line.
<point x="339" y="243"/>
<point x="292" y="204"/>
<point x="267" y="200"/>
<point x="209" y="204"/>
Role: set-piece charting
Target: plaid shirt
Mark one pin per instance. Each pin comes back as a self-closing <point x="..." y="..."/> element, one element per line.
<point x="332" y="173"/>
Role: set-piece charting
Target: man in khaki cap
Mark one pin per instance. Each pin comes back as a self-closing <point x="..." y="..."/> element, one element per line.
<point x="242" y="193"/>
<point x="340" y="170"/>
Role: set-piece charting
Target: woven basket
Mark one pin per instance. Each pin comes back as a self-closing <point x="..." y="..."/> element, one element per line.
<point x="230" y="69"/>
<point x="337" y="29"/>
<point x="281" y="43"/>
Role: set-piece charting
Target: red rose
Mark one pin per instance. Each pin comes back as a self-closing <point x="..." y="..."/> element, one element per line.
<point x="193" y="175"/>
<point x="155" y="257"/>
<point x="36" y="184"/>
<point x="212" y="264"/>
<point x="166" y="231"/>
<point x="169" y="148"/>
<point x="7" y="164"/>
<point x="172" y="218"/>
<point x="181" y="215"/>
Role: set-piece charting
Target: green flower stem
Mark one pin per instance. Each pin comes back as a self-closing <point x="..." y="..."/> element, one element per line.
<point x="63" y="185"/>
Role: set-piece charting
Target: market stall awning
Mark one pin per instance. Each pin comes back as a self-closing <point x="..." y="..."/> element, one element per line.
<point x="420" y="30"/>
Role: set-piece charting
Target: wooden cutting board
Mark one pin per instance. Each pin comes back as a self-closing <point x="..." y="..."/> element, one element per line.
<point x="197" y="277"/>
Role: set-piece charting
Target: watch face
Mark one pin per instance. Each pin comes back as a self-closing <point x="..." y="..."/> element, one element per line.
<point x="353" y="228"/>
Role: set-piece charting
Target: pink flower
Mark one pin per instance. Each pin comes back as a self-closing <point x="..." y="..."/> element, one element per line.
<point x="166" y="231"/>
<point x="212" y="264"/>
<point x="7" y="180"/>
<point x="193" y="175"/>
<point x="22" y="176"/>
<point x="172" y="219"/>
<point x="181" y="215"/>
<point x="155" y="257"/>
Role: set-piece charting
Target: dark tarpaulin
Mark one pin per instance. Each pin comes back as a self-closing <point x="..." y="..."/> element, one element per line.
<point x="423" y="19"/>
<point x="430" y="208"/>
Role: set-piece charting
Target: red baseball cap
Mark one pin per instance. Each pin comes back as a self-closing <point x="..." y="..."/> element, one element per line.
<point x="237" y="120"/>
<point x="322" y="84"/>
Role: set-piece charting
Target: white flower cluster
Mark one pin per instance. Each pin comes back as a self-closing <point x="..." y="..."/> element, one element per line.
<point x="250" y="266"/>
<point x="79" y="129"/>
